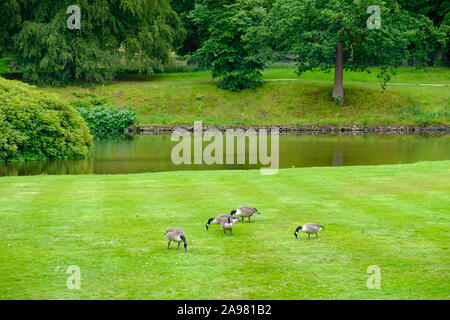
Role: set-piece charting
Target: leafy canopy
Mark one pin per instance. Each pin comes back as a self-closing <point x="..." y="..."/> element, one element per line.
<point x="230" y="50"/>
<point x="192" y="40"/>
<point x="115" y="35"/>
<point x="3" y="61"/>
<point x="433" y="9"/>
<point x="314" y="28"/>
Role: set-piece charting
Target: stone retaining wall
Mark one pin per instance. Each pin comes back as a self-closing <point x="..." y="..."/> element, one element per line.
<point x="286" y="129"/>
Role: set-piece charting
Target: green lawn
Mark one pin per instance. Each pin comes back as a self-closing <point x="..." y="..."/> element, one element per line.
<point x="112" y="227"/>
<point x="182" y="98"/>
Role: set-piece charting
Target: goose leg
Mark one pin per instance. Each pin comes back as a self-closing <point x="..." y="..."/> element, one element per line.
<point x="224" y="232"/>
<point x="248" y="219"/>
<point x="309" y="236"/>
<point x="168" y="245"/>
<point x="230" y="231"/>
<point x="317" y="237"/>
<point x="242" y="219"/>
<point x="178" y="245"/>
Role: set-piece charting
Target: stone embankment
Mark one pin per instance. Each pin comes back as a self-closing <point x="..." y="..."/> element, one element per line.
<point x="292" y="129"/>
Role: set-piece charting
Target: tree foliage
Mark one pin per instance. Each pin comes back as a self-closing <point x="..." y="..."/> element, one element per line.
<point x="192" y="39"/>
<point x="435" y="10"/>
<point x="3" y="61"/>
<point x="230" y="50"/>
<point x="317" y="28"/>
<point x="35" y="125"/>
<point x="445" y="29"/>
<point x="3" y="68"/>
<point x="115" y="35"/>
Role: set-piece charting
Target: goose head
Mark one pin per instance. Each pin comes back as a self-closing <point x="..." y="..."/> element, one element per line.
<point x="184" y="242"/>
<point x="209" y="222"/>
<point x="296" y="231"/>
<point x="233" y="212"/>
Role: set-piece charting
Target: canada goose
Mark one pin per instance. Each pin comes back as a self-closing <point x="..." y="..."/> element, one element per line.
<point x="228" y="224"/>
<point x="245" y="212"/>
<point x="177" y="235"/>
<point x="219" y="219"/>
<point x="309" y="228"/>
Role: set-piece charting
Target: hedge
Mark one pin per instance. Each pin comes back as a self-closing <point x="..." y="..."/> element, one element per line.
<point x="35" y="125"/>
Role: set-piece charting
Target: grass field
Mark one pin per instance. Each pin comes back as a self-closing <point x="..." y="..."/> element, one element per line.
<point x="182" y="98"/>
<point x="112" y="227"/>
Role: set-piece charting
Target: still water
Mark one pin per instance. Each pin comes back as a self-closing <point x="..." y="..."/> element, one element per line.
<point x="136" y="154"/>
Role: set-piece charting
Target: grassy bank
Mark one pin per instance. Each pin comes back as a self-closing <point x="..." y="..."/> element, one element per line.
<point x="112" y="227"/>
<point x="185" y="97"/>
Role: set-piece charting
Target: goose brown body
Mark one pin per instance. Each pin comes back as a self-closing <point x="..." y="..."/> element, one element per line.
<point x="228" y="224"/>
<point x="177" y="235"/>
<point x="219" y="219"/>
<point x="245" y="212"/>
<point x="309" y="228"/>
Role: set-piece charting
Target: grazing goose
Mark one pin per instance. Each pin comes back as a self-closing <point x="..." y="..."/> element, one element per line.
<point x="309" y="228"/>
<point x="244" y="212"/>
<point x="228" y="224"/>
<point x="219" y="219"/>
<point x="177" y="235"/>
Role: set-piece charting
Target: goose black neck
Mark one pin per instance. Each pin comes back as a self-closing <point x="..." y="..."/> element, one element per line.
<point x="184" y="241"/>
<point x="209" y="221"/>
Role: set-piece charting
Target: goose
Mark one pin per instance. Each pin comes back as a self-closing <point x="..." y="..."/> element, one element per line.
<point x="177" y="235"/>
<point x="309" y="228"/>
<point x="219" y="219"/>
<point x="245" y="212"/>
<point x="228" y="224"/>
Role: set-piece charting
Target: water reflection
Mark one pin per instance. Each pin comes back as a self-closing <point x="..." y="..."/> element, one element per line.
<point x="153" y="153"/>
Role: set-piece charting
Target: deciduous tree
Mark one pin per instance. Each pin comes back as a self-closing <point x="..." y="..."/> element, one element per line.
<point x="336" y="34"/>
<point x="230" y="50"/>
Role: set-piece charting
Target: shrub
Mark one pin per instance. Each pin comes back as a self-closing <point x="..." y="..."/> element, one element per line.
<point x="89" y="101"/>
<point x="104" y="120"/>
<point x="35" y="125"/>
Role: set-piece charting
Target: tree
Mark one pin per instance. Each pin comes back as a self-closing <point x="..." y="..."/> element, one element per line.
<point x="230" y="50"/>
<point x="341" y="34"/>
<point x="445" y="29"/>
<point x="3" y="68"/>
<point x="116" y="35"/>
<point x="3" y="61"/>
<point x="192" y="40"/>
<point x="435" y="10"/>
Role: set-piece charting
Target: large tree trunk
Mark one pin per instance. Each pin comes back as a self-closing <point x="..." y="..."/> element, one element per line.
<point x="338" y="90"/>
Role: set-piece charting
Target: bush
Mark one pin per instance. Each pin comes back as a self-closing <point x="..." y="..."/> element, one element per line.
<point x="35" y="125"/>
<point x="104" y="120"/>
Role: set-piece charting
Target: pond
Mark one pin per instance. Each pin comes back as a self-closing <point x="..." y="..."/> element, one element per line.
<point x="137" y="154"/>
